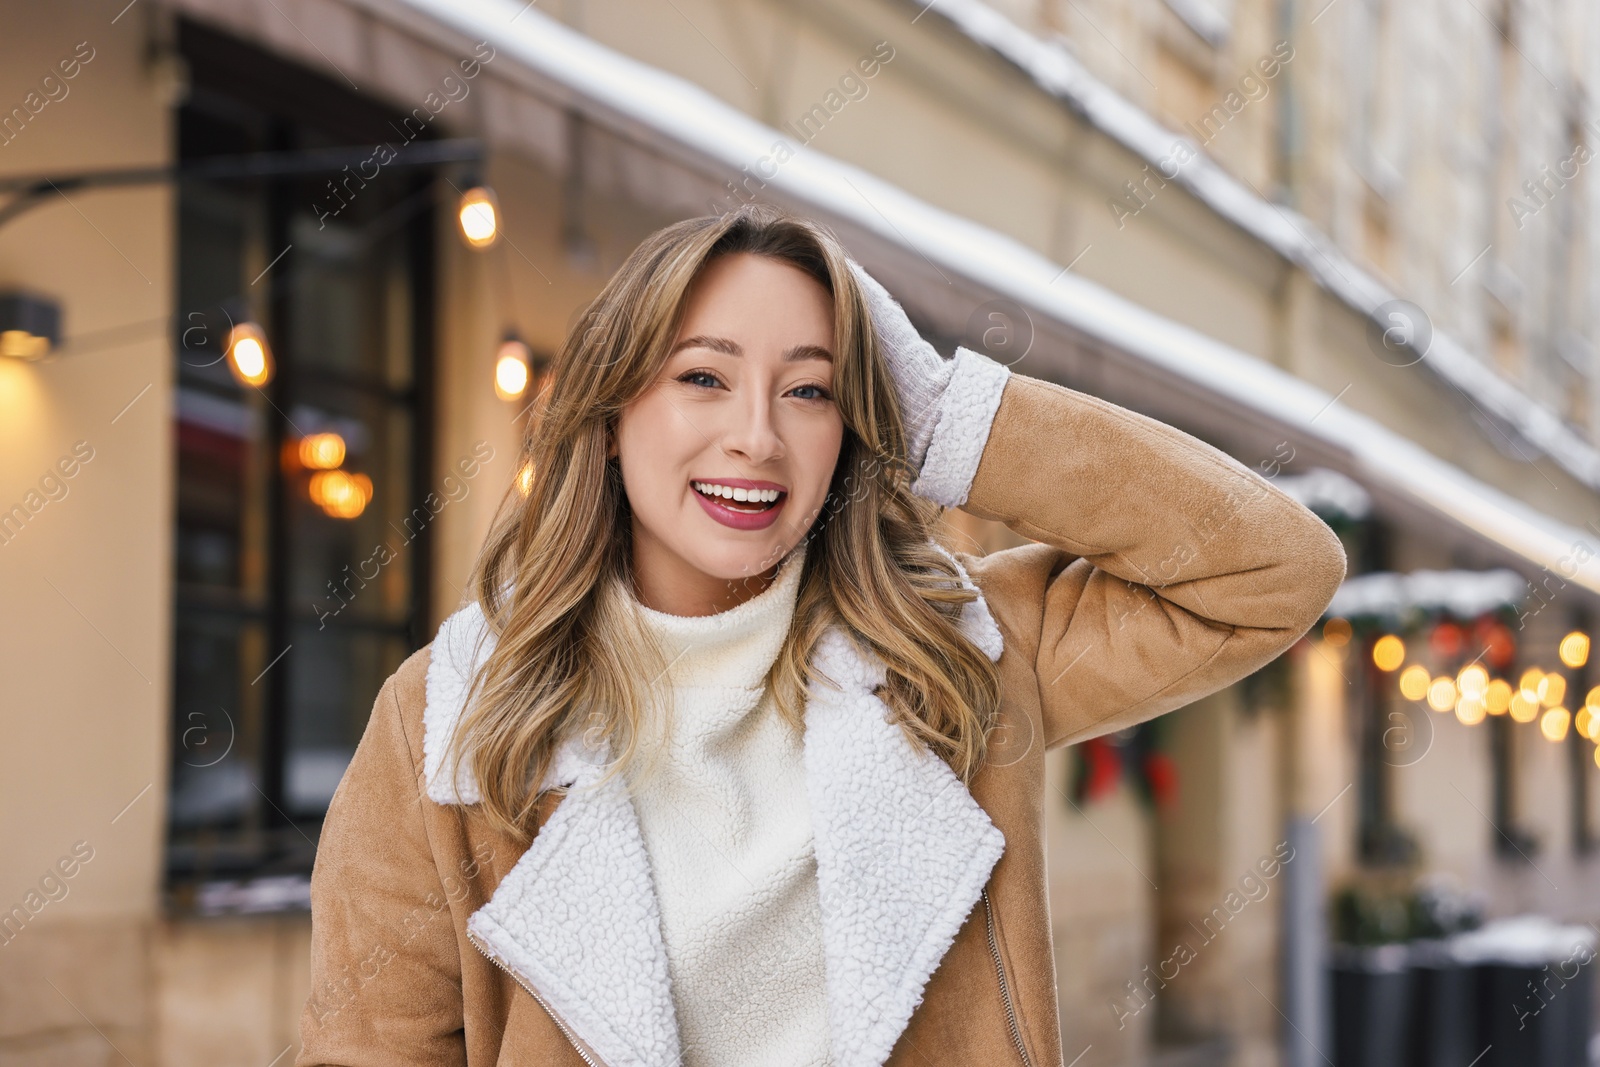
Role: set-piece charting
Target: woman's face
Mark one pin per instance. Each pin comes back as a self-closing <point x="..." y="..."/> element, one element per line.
<point x="744" y="402"/>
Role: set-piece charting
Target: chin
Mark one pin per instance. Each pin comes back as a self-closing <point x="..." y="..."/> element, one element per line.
<point x="744" y="561"/>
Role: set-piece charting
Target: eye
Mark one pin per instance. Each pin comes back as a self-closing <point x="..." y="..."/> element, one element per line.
<point x="688" y="375"/>
<point x="821" y="391"/>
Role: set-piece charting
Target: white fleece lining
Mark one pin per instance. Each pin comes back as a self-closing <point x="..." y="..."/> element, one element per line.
<point x="966" y="412"/>
<point x="903" y="852"/>
<point x="459" y="649"/>
<point x="577" y="917"/>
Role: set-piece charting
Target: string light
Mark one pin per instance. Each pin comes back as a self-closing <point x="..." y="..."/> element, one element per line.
<point x="1552" y="690"/>
<point x="479" y="215"/>
<point x="1336" y="632"/>
<point x="1442" y="694"/>
<point x="340" y="493"/>
<point x="1553" y="723"/>
<point x="1575" y="649"/>
<point x="1469" y="710"/>
<point x="1524" y="706"/>
<point x="1497" y="697"/>
<point x="1414" y="682"/>
<point x="321" y="451"/>
<point x="249" y="358"/>
<point x="511" y="371"/>
<point x="1389" y="652"/>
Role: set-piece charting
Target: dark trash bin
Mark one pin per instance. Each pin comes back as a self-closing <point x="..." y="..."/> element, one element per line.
<point x="1442" y="997"/>
<point x="1372" y="994"/>
<point x="1534" y="983"/>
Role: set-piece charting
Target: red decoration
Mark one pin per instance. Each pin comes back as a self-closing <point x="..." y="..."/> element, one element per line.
<point x="1162" y="774"/>
<point x="1495" y="638"/>
<point x="1446" y="639"/>
<point x="1104" y="768"/>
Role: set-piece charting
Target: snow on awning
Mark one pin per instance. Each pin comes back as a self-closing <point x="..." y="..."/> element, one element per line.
<point x="1292" y="235"/>
<point x="647" y="98"/>
<point x="685" y="142"/>
<point x="1464" y="594"/>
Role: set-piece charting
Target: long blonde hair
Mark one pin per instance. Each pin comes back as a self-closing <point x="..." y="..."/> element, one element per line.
<point x="554" y="577"/>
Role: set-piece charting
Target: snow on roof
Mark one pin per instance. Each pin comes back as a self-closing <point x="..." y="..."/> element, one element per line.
<point x="1327" y="492"/>
<point x="716" y="130"/>
<point x="1464" y="594"/>
<point x="1292" y="235"/>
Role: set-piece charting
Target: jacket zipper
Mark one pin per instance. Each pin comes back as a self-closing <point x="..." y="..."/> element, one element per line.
<point x="1005" y="989"/>
<point x="578" y="1046"/>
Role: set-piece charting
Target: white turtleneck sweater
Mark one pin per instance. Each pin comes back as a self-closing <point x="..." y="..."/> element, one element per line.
<point x="725" y="820"/>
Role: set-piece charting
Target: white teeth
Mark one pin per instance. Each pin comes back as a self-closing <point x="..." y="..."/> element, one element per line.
<point x="760" y="496"/>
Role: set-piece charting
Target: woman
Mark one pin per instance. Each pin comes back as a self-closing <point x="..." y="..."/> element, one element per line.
<point x="728" y="761"/>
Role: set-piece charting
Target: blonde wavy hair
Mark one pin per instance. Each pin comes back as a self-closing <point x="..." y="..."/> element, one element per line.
<point x="554" y="578"/>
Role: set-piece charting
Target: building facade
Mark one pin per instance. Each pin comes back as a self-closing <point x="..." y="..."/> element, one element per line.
<point x="1348" y="243"/>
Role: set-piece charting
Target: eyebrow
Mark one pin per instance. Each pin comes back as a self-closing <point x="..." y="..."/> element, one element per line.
<point x="795" y="354"/>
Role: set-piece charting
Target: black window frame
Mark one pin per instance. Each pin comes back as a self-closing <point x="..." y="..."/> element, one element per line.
<point x="228" y="68"/>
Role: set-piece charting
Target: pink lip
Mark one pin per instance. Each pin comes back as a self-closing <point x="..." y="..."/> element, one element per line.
<point x="741" y="520"/>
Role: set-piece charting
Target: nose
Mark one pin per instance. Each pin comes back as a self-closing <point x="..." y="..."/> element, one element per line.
<point x="751" y="434"/>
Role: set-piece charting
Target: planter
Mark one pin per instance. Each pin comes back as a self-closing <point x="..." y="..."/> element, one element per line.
<point x="1534" y="987"/>
<point x="1372" y="1001"/>
<point x="1443" y="994"/>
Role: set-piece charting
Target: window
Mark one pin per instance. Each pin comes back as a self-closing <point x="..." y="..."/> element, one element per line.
<point x="297" y="591"/>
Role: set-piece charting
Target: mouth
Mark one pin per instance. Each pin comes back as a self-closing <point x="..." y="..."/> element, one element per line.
<point x="757" y="511"/>
<point x="753" y="502"/>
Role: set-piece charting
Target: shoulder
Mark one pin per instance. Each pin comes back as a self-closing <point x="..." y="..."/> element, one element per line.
<point x="397" y="722"/>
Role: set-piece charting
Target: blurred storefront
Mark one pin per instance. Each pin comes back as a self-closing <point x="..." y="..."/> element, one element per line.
<point x="254" y="537"/>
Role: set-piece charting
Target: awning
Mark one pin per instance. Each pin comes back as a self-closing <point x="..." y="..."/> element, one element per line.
<point x="665" y="142"/>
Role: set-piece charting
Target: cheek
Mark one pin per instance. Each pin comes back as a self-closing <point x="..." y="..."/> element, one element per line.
<point x="652" y="448"/>
<point x="822" y="444"/>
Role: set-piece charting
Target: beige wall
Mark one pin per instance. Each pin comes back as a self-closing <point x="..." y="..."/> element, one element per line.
<point x="84" y="645"/>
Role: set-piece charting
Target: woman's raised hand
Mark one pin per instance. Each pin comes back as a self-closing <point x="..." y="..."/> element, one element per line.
<point x="920" y="373"/>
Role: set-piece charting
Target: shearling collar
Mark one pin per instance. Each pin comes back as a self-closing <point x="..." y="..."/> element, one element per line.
<point x="903" y="852"/>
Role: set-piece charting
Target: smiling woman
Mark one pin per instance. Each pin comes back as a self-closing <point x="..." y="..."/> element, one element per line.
<point x="725" y="710"/>
<point x="727" y="459"/>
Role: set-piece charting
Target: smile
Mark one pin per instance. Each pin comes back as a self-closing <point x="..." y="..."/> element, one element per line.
<point x="745" y="506"/>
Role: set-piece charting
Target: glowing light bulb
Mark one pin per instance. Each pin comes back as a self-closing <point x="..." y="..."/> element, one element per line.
<point x="511" y="369"/>
<point x="1414" y="682"/>
<point x="1389" y="652"/>
<point x="1553" y="723"/>
<point x="1575" y="649"/>
<point x="249" y="358"/>
<point x="1469" y="710"/>
<point x="1552" y="690"/>
<point x="1336" y="632"/>
<point x="321" y="451"/>
<point x="479" y="215"/>
<point x="341" y="494"/>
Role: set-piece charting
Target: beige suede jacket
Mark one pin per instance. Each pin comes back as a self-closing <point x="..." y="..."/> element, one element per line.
<point x="1164" y="570"/>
